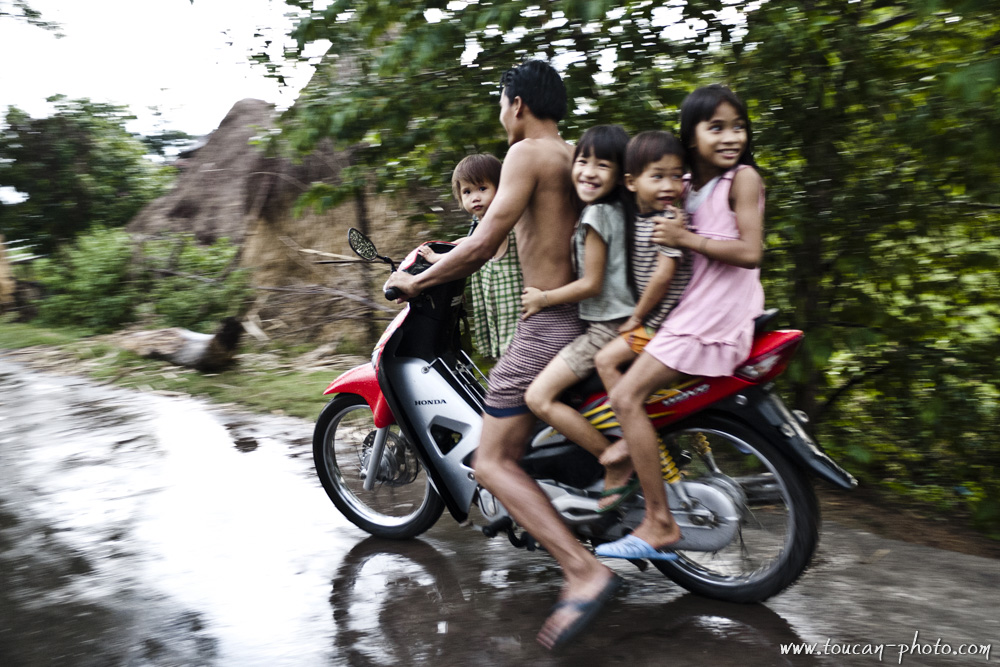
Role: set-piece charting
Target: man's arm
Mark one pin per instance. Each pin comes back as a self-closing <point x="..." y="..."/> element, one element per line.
<point x="517" y="184"/>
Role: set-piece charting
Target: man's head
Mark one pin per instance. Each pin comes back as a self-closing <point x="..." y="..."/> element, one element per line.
<point x="533" y="86"/>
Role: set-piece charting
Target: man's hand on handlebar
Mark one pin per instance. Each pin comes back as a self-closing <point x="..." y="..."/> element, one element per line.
<point x="403" y="283"/>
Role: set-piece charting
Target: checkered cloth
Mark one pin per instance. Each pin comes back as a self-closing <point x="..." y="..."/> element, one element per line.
<point x="537" y="340"/>
<point x="495" y="293"/>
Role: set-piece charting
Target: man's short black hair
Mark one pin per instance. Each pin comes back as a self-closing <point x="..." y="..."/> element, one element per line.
<point x="540" y="88"/>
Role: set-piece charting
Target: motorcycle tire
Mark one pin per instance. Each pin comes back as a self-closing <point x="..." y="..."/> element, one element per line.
<point x="403" y="502"/>
<point x="779" y="526"/>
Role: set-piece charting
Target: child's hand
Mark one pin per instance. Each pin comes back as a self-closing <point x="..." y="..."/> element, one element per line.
<point x="428" y="254"/>
<point x="670" y="228"/>
<point x="631" y="323"/>
<point x="532" y="301"/>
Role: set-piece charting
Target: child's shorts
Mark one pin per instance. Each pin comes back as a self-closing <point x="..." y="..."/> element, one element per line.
<point x="579" y="355"/>
<point x="638" y="337"/>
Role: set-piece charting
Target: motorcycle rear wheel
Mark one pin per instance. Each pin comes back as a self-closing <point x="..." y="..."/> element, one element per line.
<point x="779" y="529"/>
<point x="403" y="502"/>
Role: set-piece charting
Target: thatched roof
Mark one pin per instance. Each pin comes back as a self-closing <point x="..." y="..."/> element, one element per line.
<point x="228" y="182"/>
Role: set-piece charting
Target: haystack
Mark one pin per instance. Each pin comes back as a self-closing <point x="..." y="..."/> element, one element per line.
<point x="229" y="187"/>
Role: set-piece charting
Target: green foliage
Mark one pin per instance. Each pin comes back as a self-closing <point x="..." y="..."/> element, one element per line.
<point x="195" y="286"/>
<point x="875" y="125"/>
<point x="160" y="143"/>
<point x="89" y="284"/>
<point x="884" y="233"/>
<point x="410" y="96"/>
<point x="97" y="283"/>
<point x="79" y="168"/>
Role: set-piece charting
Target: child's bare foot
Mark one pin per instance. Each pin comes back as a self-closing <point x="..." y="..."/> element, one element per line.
<point x="615" y="455"/>
<point x="618" y="483"/>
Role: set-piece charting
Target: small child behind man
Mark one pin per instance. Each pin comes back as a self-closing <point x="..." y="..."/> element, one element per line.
<point x="495" y="290"/>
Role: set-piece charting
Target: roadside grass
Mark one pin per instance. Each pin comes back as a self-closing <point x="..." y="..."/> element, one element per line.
<point x="14" y="335"/>
<point x="264" y="379"/>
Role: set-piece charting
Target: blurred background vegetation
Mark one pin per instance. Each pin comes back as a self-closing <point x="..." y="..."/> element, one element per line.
<point x="876" y="124"/>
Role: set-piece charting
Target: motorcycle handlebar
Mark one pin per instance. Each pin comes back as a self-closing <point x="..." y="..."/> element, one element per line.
<point x="393" y="293"/>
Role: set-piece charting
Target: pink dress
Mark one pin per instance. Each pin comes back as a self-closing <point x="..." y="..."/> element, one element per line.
<point x="711" y="330"/>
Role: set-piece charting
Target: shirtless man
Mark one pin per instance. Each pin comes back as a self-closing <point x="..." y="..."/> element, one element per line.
<point x="535" y="198"/>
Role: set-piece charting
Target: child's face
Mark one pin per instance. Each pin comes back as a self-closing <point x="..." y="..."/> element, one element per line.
<point x="720" y="140"/>
<point x="476" y="198"/>
<point x="594" y="178"/>
<point x="660" y="184"/>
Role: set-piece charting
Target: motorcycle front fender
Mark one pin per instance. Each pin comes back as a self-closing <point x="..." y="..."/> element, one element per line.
<point x="767" y="413"/>
<point x="362" y="380"/>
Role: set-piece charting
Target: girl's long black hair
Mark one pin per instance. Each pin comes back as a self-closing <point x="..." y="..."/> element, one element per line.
<point x="700" y="106"/>
<point x="608" y="142"/>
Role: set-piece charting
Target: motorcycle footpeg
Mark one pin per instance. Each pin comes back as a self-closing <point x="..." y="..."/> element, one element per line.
<point x="501" y="525"/>
<point x="640" y="563"/>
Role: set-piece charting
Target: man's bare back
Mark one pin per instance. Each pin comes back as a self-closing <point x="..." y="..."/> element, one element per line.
<point x="535" y="197"/>
<point x="546" y="226"/>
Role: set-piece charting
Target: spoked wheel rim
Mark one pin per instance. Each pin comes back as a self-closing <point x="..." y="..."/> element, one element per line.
<point x="778" y="525"/>
<point x="402" y="489"/>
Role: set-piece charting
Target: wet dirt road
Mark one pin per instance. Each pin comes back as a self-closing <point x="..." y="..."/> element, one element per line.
<point x="138" y="529"/>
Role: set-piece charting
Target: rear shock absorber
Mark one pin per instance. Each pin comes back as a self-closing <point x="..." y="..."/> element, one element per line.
<point x="705" y="452"/>
<point x="667" y="466"/>
<point x="668" y="469"/>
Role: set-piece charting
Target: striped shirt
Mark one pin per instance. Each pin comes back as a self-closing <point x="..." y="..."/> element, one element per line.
<point x="645" y="255"/>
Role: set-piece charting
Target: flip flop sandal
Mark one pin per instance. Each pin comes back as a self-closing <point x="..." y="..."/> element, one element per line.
<point x="623" y="493"/>
<point x="633" y="548"/>
<point x="588" y="609"/>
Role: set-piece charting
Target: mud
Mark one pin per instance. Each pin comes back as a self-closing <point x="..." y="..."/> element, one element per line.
<point x="138" y="529"/>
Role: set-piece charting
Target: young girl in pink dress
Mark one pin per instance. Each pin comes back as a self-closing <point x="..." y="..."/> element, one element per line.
<point x="711" y="330"/>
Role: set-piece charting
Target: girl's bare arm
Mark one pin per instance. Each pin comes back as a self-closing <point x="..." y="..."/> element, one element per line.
<point x="745" y="251"/>
<point x="595" y="257"/>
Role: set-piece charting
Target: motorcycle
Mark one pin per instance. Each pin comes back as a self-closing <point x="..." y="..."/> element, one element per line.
<point x="395" y="446"/>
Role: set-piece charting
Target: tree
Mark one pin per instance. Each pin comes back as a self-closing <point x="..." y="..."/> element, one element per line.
<point x="20" y="10"/>
<point x="875" y="124"/>
<point x="412" y="87"/>
<point x="78" y="167"/>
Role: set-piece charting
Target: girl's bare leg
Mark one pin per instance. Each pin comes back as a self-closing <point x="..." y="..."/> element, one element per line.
<point x="628" y="399"/>
<point x="542" y="397"/>
<point x="610" y="361"/>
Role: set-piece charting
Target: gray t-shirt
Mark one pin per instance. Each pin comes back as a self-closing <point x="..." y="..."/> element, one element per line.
<point x="615" y="300"/>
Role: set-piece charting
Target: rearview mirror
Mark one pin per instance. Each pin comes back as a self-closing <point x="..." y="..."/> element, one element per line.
<point x="364" y="248"/>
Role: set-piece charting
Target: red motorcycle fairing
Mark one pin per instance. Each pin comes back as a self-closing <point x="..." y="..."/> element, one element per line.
<point x="769" y="356"/>
<point x="362" y="381"/>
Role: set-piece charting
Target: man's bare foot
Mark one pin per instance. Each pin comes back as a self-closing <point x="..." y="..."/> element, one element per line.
<point x="576" y="610"/>
<point x="615" y="455"/>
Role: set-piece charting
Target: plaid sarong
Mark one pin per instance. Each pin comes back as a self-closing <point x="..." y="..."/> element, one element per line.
<point x="536" y="341"/>
<point x="495" y="293"/>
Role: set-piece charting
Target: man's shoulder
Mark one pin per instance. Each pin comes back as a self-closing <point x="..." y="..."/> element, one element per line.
<point x="545" y="147"/>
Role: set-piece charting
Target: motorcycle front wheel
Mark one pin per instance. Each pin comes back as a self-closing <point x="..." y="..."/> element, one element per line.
<point x="402" y="503"/>
<point x="779" y="513"/>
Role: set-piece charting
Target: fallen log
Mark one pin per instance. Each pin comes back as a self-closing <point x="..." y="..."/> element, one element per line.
<point x="183" y="347"/>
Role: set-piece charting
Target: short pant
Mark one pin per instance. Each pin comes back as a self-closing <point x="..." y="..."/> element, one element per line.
<point x="579" y="354"/>
<point x="537" y="340"/>
<point x="638" y="337"/>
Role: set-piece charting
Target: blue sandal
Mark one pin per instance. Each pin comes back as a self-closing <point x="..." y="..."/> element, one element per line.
<point x="633" y="548"/>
